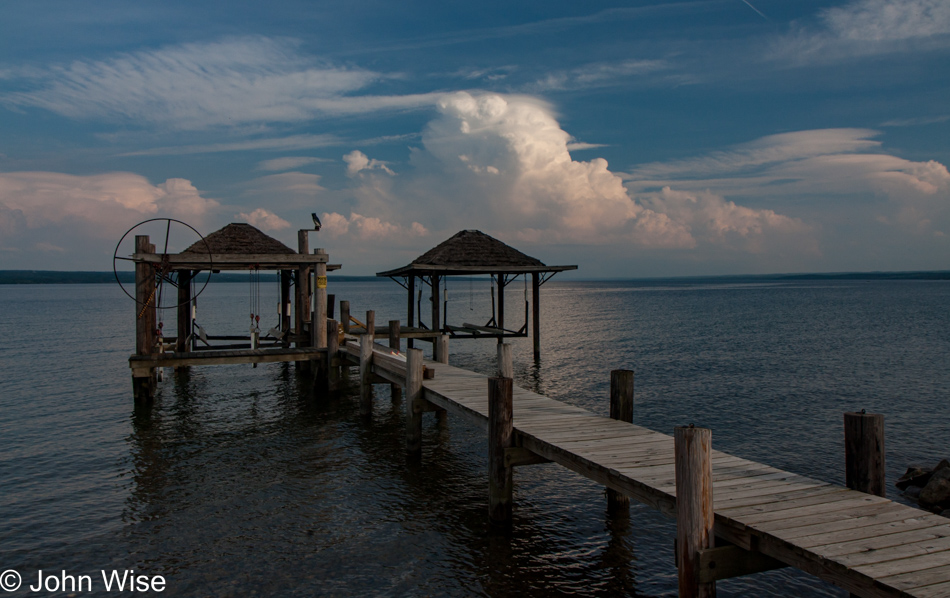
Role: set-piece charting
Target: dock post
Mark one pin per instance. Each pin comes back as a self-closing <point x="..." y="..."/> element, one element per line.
<point x="500" y="437"/>
<point x="505" y="367"/>
<point x="442" y="348"/>
<point x="395" y="391"/>
<point x="694" y="507"/>
<point x="345" y="316"/>
<point x="536" y="313"/>
<point x="864" y="452"/>
<point x="333" y="349"/>
<point x="143" y="386"/>
<point x="319" y="323"/>
<point x="621" y="408"/>
<point x="366" y="365"/>
<point x="285" y="307"/>
<point x="184" y="311"/>
<point x="414" y="403"/>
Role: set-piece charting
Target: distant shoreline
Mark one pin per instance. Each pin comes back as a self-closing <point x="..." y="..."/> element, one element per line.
<point x="59" y="277"/>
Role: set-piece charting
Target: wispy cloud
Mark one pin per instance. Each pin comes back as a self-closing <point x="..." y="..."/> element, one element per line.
<point x="204" y="85"/>
<point x="288" y="163"/>
<point x="293" y="142"/>
<point x="865" y="28"/>
<point x="357" y="161"/>
<point x="599" y="74"/>
<point x="913" y="122"/>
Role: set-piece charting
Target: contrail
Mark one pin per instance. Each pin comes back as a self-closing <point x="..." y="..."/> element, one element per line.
<point x="756" y="10"/>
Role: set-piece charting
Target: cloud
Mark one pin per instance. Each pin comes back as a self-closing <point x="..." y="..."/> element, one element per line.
<point x="357" y="161"/>
<point x="511" y="169"/>
<point x="864" y="28"/>
<point x="106" y="201"/>
<point x="264" y="219"/>
<point x="336" y="225"/>
<point x="288" y="163"/>
<point x="598" y="74"/>
<point x="577" y="146"/>
<point x="290" y="188"/>
<point x="202" y="85"/>
<point x="294" y="142"/>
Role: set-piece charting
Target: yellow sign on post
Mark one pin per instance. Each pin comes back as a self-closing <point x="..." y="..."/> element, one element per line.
<point x="321" y="282"/>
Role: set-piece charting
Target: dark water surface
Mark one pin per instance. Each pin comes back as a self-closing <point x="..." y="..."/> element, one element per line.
<point x="239" y="482"/>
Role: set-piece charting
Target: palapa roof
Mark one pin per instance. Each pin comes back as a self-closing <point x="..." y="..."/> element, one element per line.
<point x="239" y="238"/>
<point x="473" y="252"/>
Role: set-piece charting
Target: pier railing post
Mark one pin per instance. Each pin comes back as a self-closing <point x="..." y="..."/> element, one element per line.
<point x="694" y="507"/>
<point x="333" y="349"/>
<point x="500" y="437"/>
<point x="864" y="452"/>
<point x="505" y="367"/>
<point x="366" y="365"/>
<point x="442" y="348"/>
<point x="395" y="391"/>
<point x="621" y="408"/>
<point x="414" y="403"/>
<point x="345" y="316"/>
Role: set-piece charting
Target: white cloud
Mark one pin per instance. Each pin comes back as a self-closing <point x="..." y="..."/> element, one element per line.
<point x="867" y="27"/>
<point x="292" y="189"/>
<point x="510" y="163"/>
<point x="287" y="163"/>
<point x="264" y="219"/>
<point x="202" y="85"/>
<point x="577" y="146"/>
<point x="598" y="74"/>
<point x="107" y="201"/>
<point x="336" y="225"/>
<point x="357" y="161"/>
<point x="294" y="142"/>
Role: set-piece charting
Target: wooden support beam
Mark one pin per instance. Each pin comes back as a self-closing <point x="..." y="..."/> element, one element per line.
<point x="395" y="391"/>
<point x="319" y="324"/>
<point x="621" y="409"/>
<point x="285" y="306"/>
<point x="500" y="319"/>
<point x="414" y="403"/>
<point x="725" y="562"/>
<point x="536" y="313"/>
<point x="864" y="452"/>
<point x="333" y="349"/>
<point x="143" y="386"/>
<point x="505" y="367"/>
<point x="411" y="308"/>
<point x="518" y="456"/>
<point x="184" y="311"/>
<point x="694" y="507"/>
<point x="442" y="348"/>
<point x="436" y="302"/>
<point x="366" y="370"/>
<point x="345" y="316"/>
<point x="302" y="303"/>
<point x="500" y="437"/>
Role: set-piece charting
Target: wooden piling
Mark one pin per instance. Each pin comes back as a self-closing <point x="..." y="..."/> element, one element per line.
<point x="333" y="348"/>
<point x="536" y="313"/>
<point x="864" y="452"/>
<point x="285" y="306"/>
<point x="345" y="316"/>
<point x="366" y="375"/>
<point x="319" y="323"/>
<point x="436" y="302"/>
<point x="694" y="507"/>
<point x="145" y="318"/>
<point x="371" y="324"/>
<point x="395" y="391"/>
<point x="500" y="437"/>
<point x="411" y="307"/>
<point x="414" y="403"/>
<point x="500" y="318"/>
<point x="621" y="408"/>
<point x="184" y="311"/>
<point x="506" y="368"/>
<point x="302" y="304"/>
<point x="442" y="348"/>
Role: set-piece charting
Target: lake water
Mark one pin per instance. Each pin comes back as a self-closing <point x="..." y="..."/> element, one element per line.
<point x="240" y="482"/>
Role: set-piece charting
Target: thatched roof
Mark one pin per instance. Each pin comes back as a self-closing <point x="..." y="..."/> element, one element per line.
<point x="472" y="251"/>
<point x="239" y="238"/>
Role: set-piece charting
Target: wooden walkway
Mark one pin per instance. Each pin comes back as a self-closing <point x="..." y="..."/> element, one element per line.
<point x="865" y="544"/>
<point x="224" y="357"/>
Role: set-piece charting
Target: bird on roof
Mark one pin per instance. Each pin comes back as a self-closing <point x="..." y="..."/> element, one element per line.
<point x="316" y="221"/>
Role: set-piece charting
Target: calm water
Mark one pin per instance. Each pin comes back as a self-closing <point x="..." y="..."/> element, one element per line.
<point x="240" y="482"/>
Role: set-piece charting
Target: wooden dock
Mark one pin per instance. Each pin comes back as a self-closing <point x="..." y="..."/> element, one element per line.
<point x="766" y="517"/>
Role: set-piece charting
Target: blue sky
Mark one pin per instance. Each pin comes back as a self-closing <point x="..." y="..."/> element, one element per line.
<point x="637" y="139"/>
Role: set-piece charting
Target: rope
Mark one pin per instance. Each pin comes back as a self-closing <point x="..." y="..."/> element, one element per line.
<point x="147" y="302"/>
